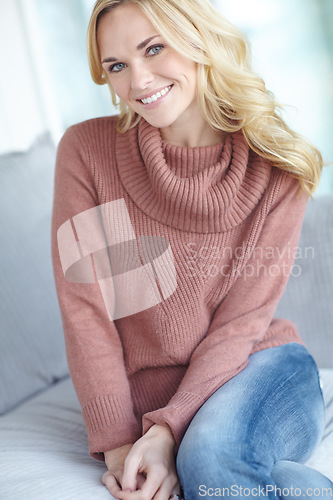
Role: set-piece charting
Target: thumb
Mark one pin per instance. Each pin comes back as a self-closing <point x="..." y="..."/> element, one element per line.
<point x="132" y="465"/>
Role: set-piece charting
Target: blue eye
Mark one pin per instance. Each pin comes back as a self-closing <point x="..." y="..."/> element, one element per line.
<point x="156" y="49"/>
<point x="113" y="67"/>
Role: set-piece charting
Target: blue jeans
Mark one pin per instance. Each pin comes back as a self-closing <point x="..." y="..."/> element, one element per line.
<point x="252" y="435"/>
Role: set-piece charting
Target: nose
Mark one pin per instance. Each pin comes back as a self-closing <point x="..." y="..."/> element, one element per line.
<point x="141" y="77"/>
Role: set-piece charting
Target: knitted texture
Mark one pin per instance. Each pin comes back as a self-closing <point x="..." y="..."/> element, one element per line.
<point x="225" y="226"/>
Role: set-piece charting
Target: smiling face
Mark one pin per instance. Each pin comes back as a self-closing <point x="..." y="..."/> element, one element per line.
<point x="152" y="78"/>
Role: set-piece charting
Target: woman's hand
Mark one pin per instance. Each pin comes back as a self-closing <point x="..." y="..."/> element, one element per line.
<point x="114" y="460"/>
<point x="153" y="455"/>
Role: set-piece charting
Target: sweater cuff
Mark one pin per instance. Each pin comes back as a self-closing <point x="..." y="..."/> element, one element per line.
<point x="110" y="423"/>
<point x="177" y="414"/>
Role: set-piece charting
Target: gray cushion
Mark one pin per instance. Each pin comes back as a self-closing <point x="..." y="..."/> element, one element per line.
<point x="44" y="450"/>
<point x="308" y="298"/>
<point x="32" y="353"/>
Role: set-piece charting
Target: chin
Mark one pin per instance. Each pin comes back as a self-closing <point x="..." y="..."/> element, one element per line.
<point x="159" y="121"/>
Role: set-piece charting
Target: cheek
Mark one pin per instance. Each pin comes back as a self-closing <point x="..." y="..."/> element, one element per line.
<point x="120" y="87"/>
<point x="188" y="71"/>
<point x="190" y="77"/>
<point x="192" y="73"/>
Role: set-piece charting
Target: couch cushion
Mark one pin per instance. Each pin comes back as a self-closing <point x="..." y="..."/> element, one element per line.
<point x="44" y="450"/>
<point x="308" y="298"/>
<point x="32" y="352"/>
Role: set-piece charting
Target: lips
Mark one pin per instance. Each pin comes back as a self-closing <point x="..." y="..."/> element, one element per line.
<point x="154" y="96"/>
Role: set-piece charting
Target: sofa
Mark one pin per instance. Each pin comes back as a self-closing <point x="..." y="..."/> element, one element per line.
<point x="43" y="444"/>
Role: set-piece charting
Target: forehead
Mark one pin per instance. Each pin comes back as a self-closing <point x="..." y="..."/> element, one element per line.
<point x="123" y="27"/>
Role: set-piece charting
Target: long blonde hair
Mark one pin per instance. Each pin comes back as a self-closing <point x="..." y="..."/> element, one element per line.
<point x="231" y="95"/>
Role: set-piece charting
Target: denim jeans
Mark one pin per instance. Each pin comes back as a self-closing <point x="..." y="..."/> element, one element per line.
<point x="252" y="436"/>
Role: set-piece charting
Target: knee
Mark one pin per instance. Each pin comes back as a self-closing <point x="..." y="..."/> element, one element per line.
<point x="197" y="451"/>
<point x="203" y="447"/>
<point x="196" y="444"/>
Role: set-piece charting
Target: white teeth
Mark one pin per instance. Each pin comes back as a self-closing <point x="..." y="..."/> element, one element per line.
<point x="156" y="96"/>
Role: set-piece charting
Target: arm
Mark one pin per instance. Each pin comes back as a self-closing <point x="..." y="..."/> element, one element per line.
<point x="245" y="317"/>
<point x="94" y="350"/>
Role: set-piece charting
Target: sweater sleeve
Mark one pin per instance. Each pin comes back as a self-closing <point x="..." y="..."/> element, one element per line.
<point x="94" y="350"/>
<point x="245" y="317"/>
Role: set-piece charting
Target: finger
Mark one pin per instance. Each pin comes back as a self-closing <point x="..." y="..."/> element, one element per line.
<point x="168" y="488"/>
<point x="151" y="484"/>
<point x="135" y="495"/>
<point x="109" y="480"/>
<point x="127" y="495"/>
<point x="140" y="479"/>
<point x="156" y="475"/>
<point x="132" y="465"/>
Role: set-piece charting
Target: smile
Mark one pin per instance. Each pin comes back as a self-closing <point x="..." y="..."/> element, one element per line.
<point x="157" y="96"/>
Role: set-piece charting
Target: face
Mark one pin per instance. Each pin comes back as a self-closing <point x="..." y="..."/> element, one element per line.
<point x="152" y="78"/>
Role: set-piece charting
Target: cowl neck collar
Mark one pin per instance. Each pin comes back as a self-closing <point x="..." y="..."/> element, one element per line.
<point x="203" y="189"/>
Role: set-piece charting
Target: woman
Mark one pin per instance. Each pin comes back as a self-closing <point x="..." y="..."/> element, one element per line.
<point x="187" y="208"/>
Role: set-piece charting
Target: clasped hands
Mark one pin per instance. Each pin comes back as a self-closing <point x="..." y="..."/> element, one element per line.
<point x="145" y="470"/>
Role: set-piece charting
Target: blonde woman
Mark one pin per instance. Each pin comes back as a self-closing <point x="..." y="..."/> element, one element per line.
<point x="173" y="237"/>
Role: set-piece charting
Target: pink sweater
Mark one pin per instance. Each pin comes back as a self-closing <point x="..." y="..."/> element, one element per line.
<point x="200" y="245"/>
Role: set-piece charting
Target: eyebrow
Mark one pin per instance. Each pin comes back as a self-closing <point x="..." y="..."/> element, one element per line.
<point x="138" y="47"/>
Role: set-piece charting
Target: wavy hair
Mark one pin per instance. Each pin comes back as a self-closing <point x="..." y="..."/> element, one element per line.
<point x="231" y="95"/>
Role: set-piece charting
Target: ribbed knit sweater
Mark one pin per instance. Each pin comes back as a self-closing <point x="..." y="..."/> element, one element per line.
<point x="213" y="231"/>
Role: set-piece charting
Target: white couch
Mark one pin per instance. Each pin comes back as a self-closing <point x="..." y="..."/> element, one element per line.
<point x="43" y="444"/>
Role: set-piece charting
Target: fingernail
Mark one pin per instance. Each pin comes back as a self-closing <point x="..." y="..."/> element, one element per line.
<point x="128" y="490"/>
